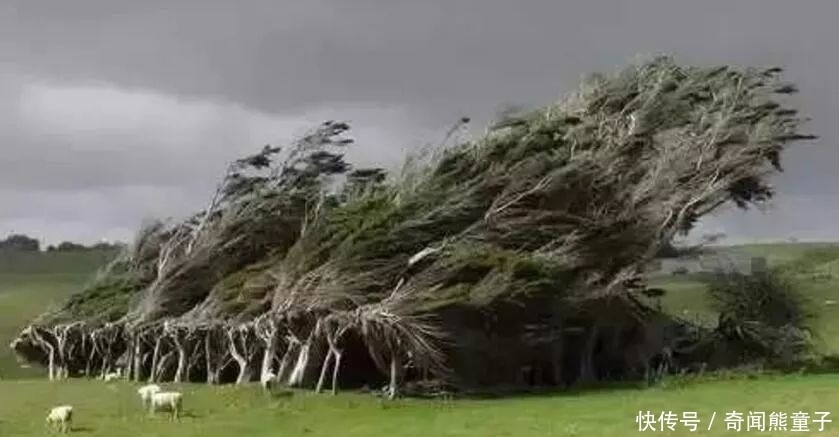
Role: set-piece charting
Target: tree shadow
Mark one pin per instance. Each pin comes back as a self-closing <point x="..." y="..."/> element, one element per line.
<point x="280" y="394"/>
<point x="538" y="392"/>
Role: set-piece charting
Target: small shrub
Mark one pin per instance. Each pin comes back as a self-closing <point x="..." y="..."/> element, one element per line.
<point x="764" y="316"/>
<point x="680" y="271"/>
<point x="769" y="298"/>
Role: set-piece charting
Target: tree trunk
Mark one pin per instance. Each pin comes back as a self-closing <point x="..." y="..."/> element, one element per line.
<point x="129" y="360"/>
<point x="395" y="376"/>
<point x="336" y="367"/>
<point x="217" y="373"/>
<point x="332" y="338"/>
<point x="162" y="365"/>
<point x="208" y="356"/>
<point x="244" y="371"/>
<point x="326" y="362"/>
<point x="281" y="371"/>
<point x="109" y="355"/>
<point x="89" y="365"/>
<point x="194" y="360"/>
<point x="189" y="367"/>
<point x="138" y="358"/>
<point x="268" y="356"/>
<point x="61" y="338"/>
<point x="179" y="373"/>
<point x="299" y="370"/>
<point x="241" y="360"/>
<point x="154" y="360"/>
<point x="51" y="362"/>
<point x="50" y="353"/>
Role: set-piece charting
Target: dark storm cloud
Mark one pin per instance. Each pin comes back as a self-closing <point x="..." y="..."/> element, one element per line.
<point x="433" y="59"/>
<point x="282" y="55"/>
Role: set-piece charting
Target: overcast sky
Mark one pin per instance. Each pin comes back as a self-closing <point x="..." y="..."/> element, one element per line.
<point x="116" y="111"/>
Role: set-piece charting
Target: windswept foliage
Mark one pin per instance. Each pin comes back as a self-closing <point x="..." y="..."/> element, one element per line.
<point x="530" y="240"/>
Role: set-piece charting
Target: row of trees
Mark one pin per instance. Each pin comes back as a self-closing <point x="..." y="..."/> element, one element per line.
<point x="25" y="243"/>
<point x="516" y="258"/>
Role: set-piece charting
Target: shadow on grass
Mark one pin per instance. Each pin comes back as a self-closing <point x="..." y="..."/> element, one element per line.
<point x="166" y="416"/>
<point x="280" y="394"/>
<point x="537" y="392"/>
<point x="827" y="365"/>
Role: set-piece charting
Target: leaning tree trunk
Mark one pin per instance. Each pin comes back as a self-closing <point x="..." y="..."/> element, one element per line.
<point x="395" y="375"/>
<point x="161" y="367"/>
<point x="154" y="360"/>
<point x="180" y="345"/>
<point x="291" y="347"/>
<point x="299" y="371"/>
<point x="336" y="368"/>
<point x="90" y="357"/>
<point x="270" y="337"/>
<point x="97" y="355"/>
<point x="179" y="372"/>
<point x="266" y="369"/>
<point x="309" y="351"/>
<point x="333" y="356"/>
<point x="240" y="357"/>
<point x="194" y="358"/>
<point x="50" y="352"/>
<point x="324" y="368"/>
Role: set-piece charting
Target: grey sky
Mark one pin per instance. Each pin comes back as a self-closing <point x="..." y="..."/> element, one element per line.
<point x="114" y="111"/>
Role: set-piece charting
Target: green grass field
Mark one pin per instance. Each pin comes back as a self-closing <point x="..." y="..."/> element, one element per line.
<point x="114" y="411"/>
<point x="28" y="285"/>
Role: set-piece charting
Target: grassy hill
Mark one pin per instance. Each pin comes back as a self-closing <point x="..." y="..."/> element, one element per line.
<point x="31" y="283"/>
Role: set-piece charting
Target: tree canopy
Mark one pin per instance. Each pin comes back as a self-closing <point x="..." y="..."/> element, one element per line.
<point x="20" y="243"/>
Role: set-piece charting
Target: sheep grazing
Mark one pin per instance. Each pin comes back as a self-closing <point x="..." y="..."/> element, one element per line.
<point x="267" y="380"/>
<point x="172" y="401"/>
<point x="113" y="376"/>
<point x="61" y="416"/>
<point x="147" y="391"/>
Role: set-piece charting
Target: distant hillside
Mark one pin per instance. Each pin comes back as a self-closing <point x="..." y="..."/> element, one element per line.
<point x="739" y="257"/>
<point x="30" y="282"/>
<point x="53" y="263"/>
<point x="815" y="266"/>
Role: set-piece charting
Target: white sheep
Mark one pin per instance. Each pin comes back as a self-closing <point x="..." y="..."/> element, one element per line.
<point x="147" y="391"/>
<point x="267" y="379"/>
<point x="113" y="376"/>
<point x="170" y="400"/>
<point x="62" y="416"/>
